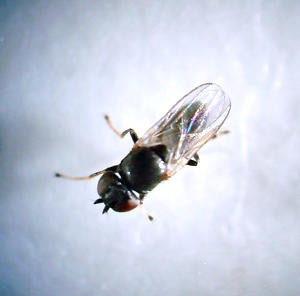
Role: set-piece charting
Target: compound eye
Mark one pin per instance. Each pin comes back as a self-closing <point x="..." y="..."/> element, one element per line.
<point x="126" y="205"/>
<point x="106" y="181"/>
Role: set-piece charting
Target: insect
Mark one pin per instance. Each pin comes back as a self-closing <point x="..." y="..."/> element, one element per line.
<point x="166" y="147"/>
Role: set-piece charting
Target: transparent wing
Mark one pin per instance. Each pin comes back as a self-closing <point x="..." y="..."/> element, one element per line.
<point x="188" y="125"/>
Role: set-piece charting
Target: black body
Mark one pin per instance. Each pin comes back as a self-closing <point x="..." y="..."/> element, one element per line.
<point x="140" y="171"/>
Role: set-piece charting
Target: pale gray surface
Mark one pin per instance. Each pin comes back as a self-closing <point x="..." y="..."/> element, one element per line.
<point x="228" y="227"/>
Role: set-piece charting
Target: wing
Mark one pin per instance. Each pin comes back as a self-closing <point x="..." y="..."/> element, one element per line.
<point x="188" y="125"/>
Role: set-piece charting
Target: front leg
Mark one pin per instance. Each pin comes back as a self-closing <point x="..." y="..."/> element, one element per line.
<point x="110" y="169"/>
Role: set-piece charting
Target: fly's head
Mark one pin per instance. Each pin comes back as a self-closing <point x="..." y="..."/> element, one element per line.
<point x="115" y="195"/>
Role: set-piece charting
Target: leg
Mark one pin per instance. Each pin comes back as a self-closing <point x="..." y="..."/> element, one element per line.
<point x="220" y="133"/>
<point x="149" y="216"/>
<point x="217" y="134"/>
<point x="133" y="134"/>
<point x="195" y="161"/>
<point x="141" y="197"/>
<point x="110" y="169"/>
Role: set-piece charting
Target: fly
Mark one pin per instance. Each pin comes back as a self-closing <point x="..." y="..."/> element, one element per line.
<point x="170" y="144"/>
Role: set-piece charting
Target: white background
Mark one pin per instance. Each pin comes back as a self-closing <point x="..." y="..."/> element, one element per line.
<point x="227" y="227"/>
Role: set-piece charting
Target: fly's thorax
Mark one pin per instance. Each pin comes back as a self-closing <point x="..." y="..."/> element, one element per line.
<point x="143" y="168"/>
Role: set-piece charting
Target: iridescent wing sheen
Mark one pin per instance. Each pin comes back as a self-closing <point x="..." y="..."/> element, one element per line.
<point x="188" y="125"/>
